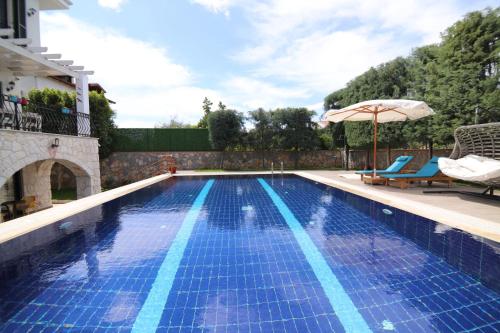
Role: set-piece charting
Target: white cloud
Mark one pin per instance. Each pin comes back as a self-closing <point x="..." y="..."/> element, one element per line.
<point x="320" y="45"/>
<point x="322" y="61"/>
<point x="216" y="6"/>
<point x="250" y="93"/>
<point x="118" y="60"/>
<point x="146" y="83"/>
<point x="148" y="86"/>
<point x="296" y="52"/>
<point x="112" y="4"/>
<point x="317" y="107"/>
<point x="147" y="108"/>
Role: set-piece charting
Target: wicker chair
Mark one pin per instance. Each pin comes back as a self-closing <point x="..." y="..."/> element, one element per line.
<point x="482" y="140"/>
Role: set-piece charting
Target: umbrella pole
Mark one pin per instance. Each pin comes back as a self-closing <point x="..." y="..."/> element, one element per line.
<point x="375" y="146"/>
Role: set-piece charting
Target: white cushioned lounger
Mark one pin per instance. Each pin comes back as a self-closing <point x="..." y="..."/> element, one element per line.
<point x="471" y="168"/>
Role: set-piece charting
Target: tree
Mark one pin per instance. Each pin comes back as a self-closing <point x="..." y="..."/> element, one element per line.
<point x="101" y="114"/>
<point x="224" y="128"/>
<point x="173" y="123"/>
<point x="467" y="74"/>
<point x="102" y="122"/>
<point x="207" y="108"/>
<point x="221" y="106"/>
<point x="294" y="130"/>
<point x="458" y="78"/>
<point x="423" y="86"/>
<point x="336" y="130"/>
<point x="386" y="81"/>
<point x="260" y="137"/>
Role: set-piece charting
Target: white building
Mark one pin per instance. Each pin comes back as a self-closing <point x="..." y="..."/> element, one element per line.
<point x="32" y="139"/>
<point x="33" y="68"/>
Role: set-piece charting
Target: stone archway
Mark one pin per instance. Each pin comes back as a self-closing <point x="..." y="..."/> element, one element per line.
<point x="35" y="153"/>
<point x="83" y="179"/>
<point x="36" y="180"/>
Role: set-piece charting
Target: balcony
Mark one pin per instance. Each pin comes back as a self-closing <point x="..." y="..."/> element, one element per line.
<point x="19" y="114"/>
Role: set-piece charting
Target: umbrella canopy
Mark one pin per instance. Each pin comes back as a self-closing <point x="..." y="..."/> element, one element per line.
<point x="384" y="110"/>
<point x="379" y="111"/>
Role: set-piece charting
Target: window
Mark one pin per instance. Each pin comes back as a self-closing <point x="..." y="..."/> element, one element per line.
<point x="19" y="18"/>
<point x="4" y="23"/>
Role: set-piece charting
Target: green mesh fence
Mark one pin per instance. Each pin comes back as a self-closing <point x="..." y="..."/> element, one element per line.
<point x="161" y="139"/>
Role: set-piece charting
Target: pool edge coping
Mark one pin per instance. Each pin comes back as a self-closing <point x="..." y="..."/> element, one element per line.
<point x="23" y="225"/>
<point x="468" y="223"/>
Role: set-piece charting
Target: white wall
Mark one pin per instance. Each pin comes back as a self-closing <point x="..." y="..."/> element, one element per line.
<point x="25" y="84"/>
<point x="33" y="22"/>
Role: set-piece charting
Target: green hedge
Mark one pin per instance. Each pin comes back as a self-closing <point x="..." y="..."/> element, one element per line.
<point x="161" y="139"/>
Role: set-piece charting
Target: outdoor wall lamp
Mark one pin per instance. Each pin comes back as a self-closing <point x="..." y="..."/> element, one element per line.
<point x="10" y="85"/>
<point x="56" y="143"/>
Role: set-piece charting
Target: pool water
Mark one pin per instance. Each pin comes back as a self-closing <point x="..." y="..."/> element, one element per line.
<point x="250" y="254"/>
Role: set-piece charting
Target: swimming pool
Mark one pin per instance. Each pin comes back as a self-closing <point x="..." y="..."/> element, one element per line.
<point x="250" y="254"/>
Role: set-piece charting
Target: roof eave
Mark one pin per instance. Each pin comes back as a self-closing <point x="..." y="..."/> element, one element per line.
<point x="28" y="63"/>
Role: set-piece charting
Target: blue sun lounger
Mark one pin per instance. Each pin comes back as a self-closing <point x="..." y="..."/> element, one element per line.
<point x="399" y="164"/>
<point x="429" y="172"/>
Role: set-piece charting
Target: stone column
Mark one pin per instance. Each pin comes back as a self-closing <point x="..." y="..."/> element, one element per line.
<point x="83" y="187"/>
<point x="36" y="182"/>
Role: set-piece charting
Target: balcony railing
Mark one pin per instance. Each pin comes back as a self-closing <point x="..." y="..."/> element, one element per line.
<point x="19" y="114"/>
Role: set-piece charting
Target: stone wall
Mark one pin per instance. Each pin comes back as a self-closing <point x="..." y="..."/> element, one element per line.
<point x="120" y="166"/>
<point x="33" y="153"/>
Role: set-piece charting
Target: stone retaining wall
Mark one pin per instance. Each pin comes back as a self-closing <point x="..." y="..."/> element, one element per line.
<point x="117" y="168"/>
<point x="122" y="167"/>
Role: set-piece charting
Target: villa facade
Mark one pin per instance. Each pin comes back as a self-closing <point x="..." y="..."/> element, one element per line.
<point x="33" y="138"/>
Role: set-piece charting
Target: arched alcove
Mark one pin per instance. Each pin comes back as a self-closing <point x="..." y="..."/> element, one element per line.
<point x="62" y="182"/>
<point x="36" y="180"/>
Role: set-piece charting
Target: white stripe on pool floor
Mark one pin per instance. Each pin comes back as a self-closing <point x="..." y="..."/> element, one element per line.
<point x="341" y="303"/>
<point x="150" y="314"/>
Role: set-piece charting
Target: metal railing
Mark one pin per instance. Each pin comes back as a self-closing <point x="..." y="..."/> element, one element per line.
<point x="19" y="114"/>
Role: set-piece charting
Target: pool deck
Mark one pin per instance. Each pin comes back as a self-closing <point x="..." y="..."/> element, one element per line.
<point x="477" y="216"/>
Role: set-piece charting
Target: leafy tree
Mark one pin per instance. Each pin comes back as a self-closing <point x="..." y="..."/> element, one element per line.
<point x="336" y="130"/>
<point x="456" y="77"/>
<point x="101" y="114"/>
<point x="207" y="108"/>
<point x="174" y="123"/>
<point x="295" y="130"/>
<point x="52" y="99"/>
<point x="224" y="128"/>
<point x="221" y="106"/>
<point x="467" y="74"/>
<point x="387" y="81"/>
<point x="325" y="137"/>
<point x="423" y="86"/>
<point x="260" y="137"/>
<point x="102" y="120"/>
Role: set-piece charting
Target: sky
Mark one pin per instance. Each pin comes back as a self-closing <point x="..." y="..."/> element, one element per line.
<point x="158" y="59"/>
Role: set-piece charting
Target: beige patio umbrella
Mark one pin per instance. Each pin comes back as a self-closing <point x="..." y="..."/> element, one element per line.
<point x="379" y="111"/>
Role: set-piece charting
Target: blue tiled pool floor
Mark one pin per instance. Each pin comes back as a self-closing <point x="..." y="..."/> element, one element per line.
<point x="243" y="269"/>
